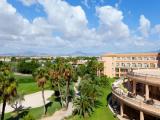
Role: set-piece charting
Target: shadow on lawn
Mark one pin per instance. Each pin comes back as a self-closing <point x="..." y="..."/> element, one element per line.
<point x="19" y="115"/>
<point x="48" y="105"/>
<point x="107" y="98"/>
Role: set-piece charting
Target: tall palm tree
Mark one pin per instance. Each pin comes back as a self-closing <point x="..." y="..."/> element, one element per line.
<point x="68" y="72"/>
<point x="41" y="76"/>
<point x="100" y="68"/>
<point x="8" y="87"/>
<point x="56" y="76"/>
<point x="81" y="70"/>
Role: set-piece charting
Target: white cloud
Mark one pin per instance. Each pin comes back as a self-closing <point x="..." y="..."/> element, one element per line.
<point x="65" y="30"/>
<point x="144" y="26"/>
<point x="28" y="2"/>
<point x="156" y="29"/>
<point x="111" y="22"/>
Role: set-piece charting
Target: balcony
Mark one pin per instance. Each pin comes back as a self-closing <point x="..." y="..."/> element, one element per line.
<point x="135" y="102"/>
<point x="148" y="76"/>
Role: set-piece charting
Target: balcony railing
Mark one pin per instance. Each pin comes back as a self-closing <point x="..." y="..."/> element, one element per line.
<point x="145" y="78"/>
<point x="143" y="75"/>
<point x="134" y="102"/>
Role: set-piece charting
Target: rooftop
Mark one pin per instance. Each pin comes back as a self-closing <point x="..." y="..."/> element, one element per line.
<point x="151" y="72"/>
<point x="129" y="54"/>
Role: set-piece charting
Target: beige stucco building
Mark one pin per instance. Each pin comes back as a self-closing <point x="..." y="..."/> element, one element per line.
<point x="137" y="96"/>
<point x="117" y="65"/>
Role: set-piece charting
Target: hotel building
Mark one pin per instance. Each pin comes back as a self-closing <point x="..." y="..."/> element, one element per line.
<point x="137" y="97"/>
<point x="117" y="65"/>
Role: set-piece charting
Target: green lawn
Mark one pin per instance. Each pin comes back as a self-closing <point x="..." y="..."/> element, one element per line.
<point x="27" y="88"/>
<point x="27" y="85"/>
<point x="37" y="113"/>
<point x="102" y="112"/>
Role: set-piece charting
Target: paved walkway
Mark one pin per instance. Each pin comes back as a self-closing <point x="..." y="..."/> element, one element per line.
<point x="32" y="100"/>
<point x="61" y="114"/>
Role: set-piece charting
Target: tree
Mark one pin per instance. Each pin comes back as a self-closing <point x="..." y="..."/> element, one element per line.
<point x="16" y="101"/>
<point x="8" y="87"/>
<point x="100" y="68"/>
<point x="41" y="76"/>
<point x="83" y="106"/>
<point x="81" y="70"/>
<point x="55" y="73"/>
<point x="67" y="73"/>
<point x="89" y="93"/>
<point x="13" y="59"/>
<point x="27" y="67"/>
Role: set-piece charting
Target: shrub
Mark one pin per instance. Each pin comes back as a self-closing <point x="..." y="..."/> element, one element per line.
<point x="29" y="117"/>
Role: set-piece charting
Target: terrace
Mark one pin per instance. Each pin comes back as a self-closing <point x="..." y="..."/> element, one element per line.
<point x="134" y="100"/>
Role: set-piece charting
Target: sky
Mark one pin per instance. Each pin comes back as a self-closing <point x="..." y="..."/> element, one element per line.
<point x="78" y="27"/>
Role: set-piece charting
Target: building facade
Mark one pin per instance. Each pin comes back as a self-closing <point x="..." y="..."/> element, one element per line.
<point x="117" y="65"/>
<point x="137" y="96"/>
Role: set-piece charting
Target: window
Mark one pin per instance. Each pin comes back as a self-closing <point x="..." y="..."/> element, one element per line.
<point x="117" y="70"/>
<point x="146" y="65"/>
<point x="146" y="58"/>
<point x="128" y="65"/>
<point x="117" y="64"/>
<point x="152" y="65"/>
<point x="133" y="58"/>
<point x="128" y="58"/>
<point x="122" y="64"/>
<point x="139" y="58"/>
<point x="133" y="64"/>
<point x="139" y="65"/>
<point x="118" y="58"/>
<point x="152" y="58"/>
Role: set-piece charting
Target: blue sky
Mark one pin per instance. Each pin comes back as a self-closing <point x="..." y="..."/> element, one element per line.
<point x="88" y="27"/>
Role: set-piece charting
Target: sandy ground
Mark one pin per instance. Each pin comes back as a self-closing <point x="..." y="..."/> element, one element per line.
<point x="32" y="100"/>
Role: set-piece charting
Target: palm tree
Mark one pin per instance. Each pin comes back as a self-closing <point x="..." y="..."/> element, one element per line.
<point x="55" y="73"/>
<point x="100" y="68"/>
<point x="41" y="77"/>
<point x="68" y="72"/>
<point x="8" y="86"/>
<point x="83" y="106"/>
<point x="81" y="70"/>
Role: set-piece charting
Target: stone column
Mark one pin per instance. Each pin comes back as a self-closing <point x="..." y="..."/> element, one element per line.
<point x="146" y="91"/>
<point x="121" y="109"/>
<point x="141" y="115"/>
<point x="134" y="86"/>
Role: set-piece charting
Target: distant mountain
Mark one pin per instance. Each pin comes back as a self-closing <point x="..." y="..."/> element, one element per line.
<point x="79" y="53"/>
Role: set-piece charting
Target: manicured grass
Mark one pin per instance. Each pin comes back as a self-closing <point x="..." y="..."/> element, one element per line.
<point x="24" y="79"/>
<point x="102" y="112"/>
<point x="28" y="88"/>
<point x="37" y="113"/>
<point x="27" y="85"/>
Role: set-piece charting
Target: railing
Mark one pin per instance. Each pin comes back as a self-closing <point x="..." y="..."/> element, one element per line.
<point x="145" y="78"/>
<point x="143" y="75"/>
<point x="136" y="103"/>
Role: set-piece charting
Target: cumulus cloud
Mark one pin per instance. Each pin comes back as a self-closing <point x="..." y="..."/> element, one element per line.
<point x="65" y="30"/>
<point x="28" y="2"/>
<point x="144" y="26"/>
<point x="111" y="22"/>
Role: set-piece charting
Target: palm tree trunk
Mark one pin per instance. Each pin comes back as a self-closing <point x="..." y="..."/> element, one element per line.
<point x="44" y="102"/>
<point x="3" y="109"/>
<point x="67" y="93"/>
<point x="60" y="95"/>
